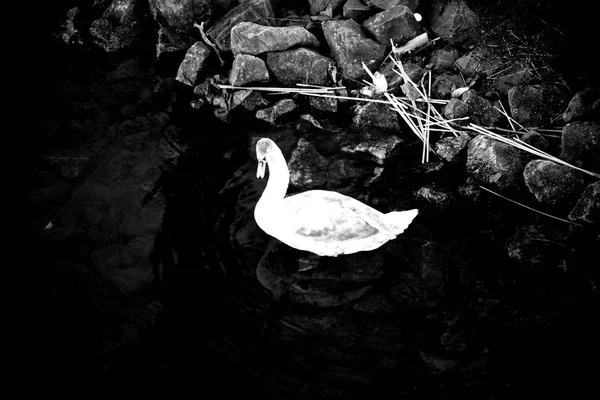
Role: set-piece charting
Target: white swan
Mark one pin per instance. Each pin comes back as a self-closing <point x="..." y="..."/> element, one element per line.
<point x="323" y="222"/>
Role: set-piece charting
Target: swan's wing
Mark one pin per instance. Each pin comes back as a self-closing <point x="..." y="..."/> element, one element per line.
<point x="331" y="216"/>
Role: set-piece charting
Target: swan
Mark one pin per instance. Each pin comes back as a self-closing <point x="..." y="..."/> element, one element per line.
<point x="322" y="222"/>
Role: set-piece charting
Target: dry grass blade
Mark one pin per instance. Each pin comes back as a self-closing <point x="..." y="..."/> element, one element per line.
<point x="527" y="147"/>
<point x="529" y="208"/>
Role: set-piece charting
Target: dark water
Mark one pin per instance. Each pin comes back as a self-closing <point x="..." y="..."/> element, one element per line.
<point x="208" y="339"/>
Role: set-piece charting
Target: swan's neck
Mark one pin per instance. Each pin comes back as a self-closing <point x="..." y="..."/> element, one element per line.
<point x="279" y="178"/>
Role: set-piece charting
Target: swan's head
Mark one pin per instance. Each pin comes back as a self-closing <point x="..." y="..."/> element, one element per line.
<point x="263" y="148"/>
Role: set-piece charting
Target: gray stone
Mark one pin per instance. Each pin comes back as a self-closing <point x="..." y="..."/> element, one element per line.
<point x="441" y="59"/>
<point x="536" y="105"/>
<point x="379" y="147"/>
<point x="119" y="26"/>
<point x="316" y="6"/>
<point x="350" y="48"/>
<point x="580" y="145"/>
<point x="587" y="208"/>
<point x="323" y="103"/>
<point x="276" y="111"/>
<point x="445" y="84"/>
<point x="247" y="69"/>
<point x="170" y="40"/>
<point x="193" y="63"/>
<point x="585" y="104"/>
<point x="300" y="66"/>
<point x="480" y="60"/>
<point x="455" y="22"/>
<point x="396" y="23"/>
<point x="504" y="82"/>
<point x="481" y="110"/>
<point x="258" y="11"/>
<point x="455" y="109"/>
<point x="251" y="38"/>
<point x="376" y="115"/>
<point x="453" y="149"/>
<point x="387" y="4"/>
<point x="495" y="162"/>
<point x="553" y="184"/>
<point x="354" y="9"/>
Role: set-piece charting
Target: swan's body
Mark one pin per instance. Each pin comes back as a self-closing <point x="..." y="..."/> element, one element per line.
<point x="323" y="222"/>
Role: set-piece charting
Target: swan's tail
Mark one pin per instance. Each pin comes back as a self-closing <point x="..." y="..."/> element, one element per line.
<point x="400" y="220"/>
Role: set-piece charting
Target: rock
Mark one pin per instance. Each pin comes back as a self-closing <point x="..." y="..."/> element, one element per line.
<point x="354" y="9"/>
<point x="481" y="110"/>
<point x="535" y="105"/>
<point x="456" y="108"/>
<point x="470" y="192"/>
<point x="308" y="168"/>
<point x="180" y="14"/>
<point x="453" y="149"/>
<point x="536" y="140"/>
<point x="300" y="66"/>
<point x="176" y="23"/>
<point x="396" y="23"/>
<point x="587" y="208"/>
<point x="257" y="11"/>
<point x="538" y="248"/>
<point x="480" y="60"/>
<point x="438" y="364"/>
<point x="251" y="38"/>
<point x="432" y="267"/>
<point x="380" y="147"/>
<point x="276" y="111"/>
<point x="585" y="104"/>
<point x="455" y="22"/>
<point x="387" y="4"/>
<point x="247" y="69"/>
<point x="376" y="115"/>
<point x="445" y="84"/>
<point x="552" y="183"/>
<point x="193" y="63"/>
<point x="439" y="198"/>
<point x="119" y="26"/>
<point x="70" y="27"/>
<point x="350" y="48"/>
<point x="441" y="59"/>
<point x="503" y="83"/>
<point x="316" y="6"/>
<point x="495" y="162"/>
<point x="323" y="103"/>
<point x="581" y="145"/>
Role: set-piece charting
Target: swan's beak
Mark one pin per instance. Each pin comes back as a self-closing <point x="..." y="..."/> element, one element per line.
<point x="262" y="164"/>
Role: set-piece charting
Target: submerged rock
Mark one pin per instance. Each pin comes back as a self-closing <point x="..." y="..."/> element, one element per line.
<point x="441" y="199"/>
<point x="537" y="248"/>
<point x="308" y="168"/>
<point x="553" y="184"/>
<point x="376" y="115"/>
